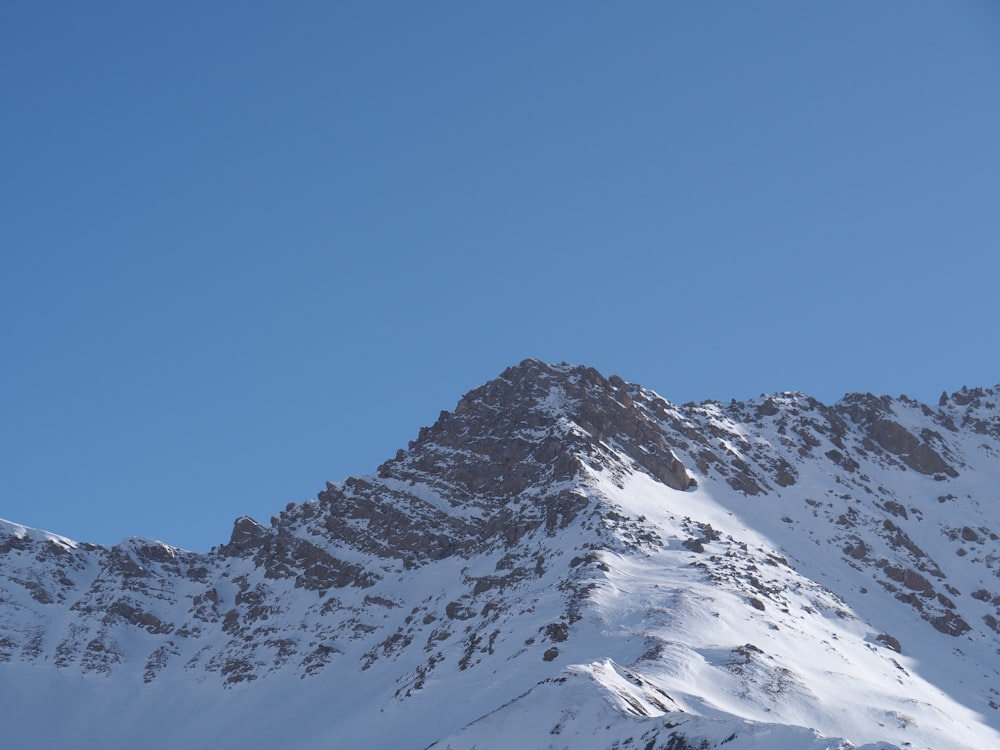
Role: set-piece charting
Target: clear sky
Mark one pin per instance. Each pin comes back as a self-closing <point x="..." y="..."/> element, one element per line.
<point x="249" y="247"/>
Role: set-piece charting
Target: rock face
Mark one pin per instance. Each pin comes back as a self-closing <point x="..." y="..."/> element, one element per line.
<point x="554" y="509"/>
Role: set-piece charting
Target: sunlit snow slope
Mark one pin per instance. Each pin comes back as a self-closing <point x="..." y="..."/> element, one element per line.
<point x="563" y="561"/>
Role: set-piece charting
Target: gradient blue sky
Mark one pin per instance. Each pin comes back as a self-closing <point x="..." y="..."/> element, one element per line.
<point x="248" y="247"/>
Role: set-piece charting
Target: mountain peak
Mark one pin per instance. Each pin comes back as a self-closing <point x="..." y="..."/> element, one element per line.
<point x="539" y="422"/>
<point x="571" y="556"/>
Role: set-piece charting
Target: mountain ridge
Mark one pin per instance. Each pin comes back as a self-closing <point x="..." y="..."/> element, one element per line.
<point x="514" y="535"/>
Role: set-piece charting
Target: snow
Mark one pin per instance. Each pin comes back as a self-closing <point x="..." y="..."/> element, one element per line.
<point x="8" y="528"/>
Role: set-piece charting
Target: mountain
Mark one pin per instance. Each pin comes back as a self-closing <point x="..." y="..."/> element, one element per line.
<point x="563" y="561"/>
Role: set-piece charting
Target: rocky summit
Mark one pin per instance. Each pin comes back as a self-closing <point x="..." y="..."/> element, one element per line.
<point x="564" y="560"/>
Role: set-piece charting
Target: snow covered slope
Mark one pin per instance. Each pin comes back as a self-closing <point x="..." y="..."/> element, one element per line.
<point x="564" y="560"/>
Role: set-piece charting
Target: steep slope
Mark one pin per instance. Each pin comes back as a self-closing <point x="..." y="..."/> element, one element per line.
<point x="565" y="554"/>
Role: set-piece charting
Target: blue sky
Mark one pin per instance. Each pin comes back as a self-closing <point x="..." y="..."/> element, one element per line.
<point x="249" y="247"/>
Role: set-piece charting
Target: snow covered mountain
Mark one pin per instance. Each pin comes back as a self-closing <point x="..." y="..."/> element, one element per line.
<point x="563" y="561"/>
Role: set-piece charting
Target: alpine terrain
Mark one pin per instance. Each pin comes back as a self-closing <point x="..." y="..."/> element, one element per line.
<point x="564" y="560"/>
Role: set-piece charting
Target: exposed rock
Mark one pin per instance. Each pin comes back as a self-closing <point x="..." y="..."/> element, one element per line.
<point x="950" y="624"/>
<point x="889" y="642"/>
<point x="917" y="455"/>
<point x="247" y="534"/>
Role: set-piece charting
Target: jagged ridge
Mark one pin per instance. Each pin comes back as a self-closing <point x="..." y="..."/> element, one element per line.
<point x="492" y="538"/>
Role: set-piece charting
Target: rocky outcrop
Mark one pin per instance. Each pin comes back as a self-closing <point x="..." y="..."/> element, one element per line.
<point x="918" y="455"/>
<point x="537" y="423"/>
<point x="876" y="416"/>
